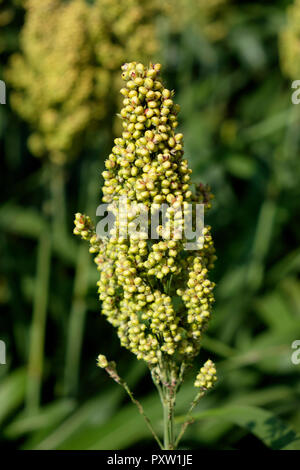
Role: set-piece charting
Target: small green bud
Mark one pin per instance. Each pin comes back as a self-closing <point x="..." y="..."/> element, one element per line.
<point x="102" y="361"/>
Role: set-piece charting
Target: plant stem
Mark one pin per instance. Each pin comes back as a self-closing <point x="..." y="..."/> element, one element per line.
<point x="168" y="423"/>
<point x="76" y="322"/>
<point x="166" y="426"/>
<point x="37" y="333"/>
<point x="190" y="418"/>
<point x="111" y="370"/>
<point x="168" y="396"/>
<point x="57" y="187"/>
<point x="40" y="303"/>
<point x="142" y="412"/>
<point x="81" y="283"/>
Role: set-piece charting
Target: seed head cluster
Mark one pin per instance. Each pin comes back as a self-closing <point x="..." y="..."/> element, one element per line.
<point x="102" y="362"/>
<point x="156" y="294"/>
<point x="66" y="75"/>
<point x="207" y="376"/>
<point x="289" y="42"/>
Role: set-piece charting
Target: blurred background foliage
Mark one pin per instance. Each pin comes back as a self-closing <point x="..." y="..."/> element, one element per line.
<point x="231" y="65"/>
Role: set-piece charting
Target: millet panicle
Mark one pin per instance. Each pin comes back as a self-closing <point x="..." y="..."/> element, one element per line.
<point x="157" y="295"/>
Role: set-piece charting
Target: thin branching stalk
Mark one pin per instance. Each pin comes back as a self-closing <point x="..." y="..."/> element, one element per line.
<point x="111" y="370"/>
<point x="189" y="419"/>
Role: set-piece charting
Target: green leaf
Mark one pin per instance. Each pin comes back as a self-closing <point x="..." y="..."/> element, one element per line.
<point x="274" y="310"/>
<point x="28" y="223"/>
<point x="22" y="221"/>
<point x="289" y="264"/>
<point x="273" y="432"/>
<point x="240" y="166"/>
<point x="94" y="411"/>
<point x="47" y="417"/>
<point x="12" y="391"/>
<point x="83" y="427"/>
<point x="270" y="351"/>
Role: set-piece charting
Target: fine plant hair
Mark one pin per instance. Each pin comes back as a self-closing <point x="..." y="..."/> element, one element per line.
<point x="156" y="294"/>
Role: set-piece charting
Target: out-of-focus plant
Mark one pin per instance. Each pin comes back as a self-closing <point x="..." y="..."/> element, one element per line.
<point x="53" y="77"/>
<point x="155" y="293"/>
<point x="64" y="77"/>
<point x="9" y="10"/>
<point x="289" y="42"/>
<point x="207" y="17"/>
<point x="63" y="83"/>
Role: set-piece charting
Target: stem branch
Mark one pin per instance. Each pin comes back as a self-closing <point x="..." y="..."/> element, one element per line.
<point x="190" y="419"/>
<point x="114" y="375"/>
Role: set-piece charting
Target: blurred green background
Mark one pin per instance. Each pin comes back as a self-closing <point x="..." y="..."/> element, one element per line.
<point x="231" y="65"/>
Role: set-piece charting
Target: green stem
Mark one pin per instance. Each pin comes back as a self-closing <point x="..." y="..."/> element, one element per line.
<point x="168" y="424"/>
<point x="40" y="302"/>
<point x="168" y="402"/>
<point x="81" y="283"/>
<point x="37" y="333"/>
<point x="76" y="322"/>
<point x="190" y="419"/>
<point x="142" y="412"/>
<point x="111" y="370"/>
<point x="168" y="411"/>
<point x="58" y="209"/>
